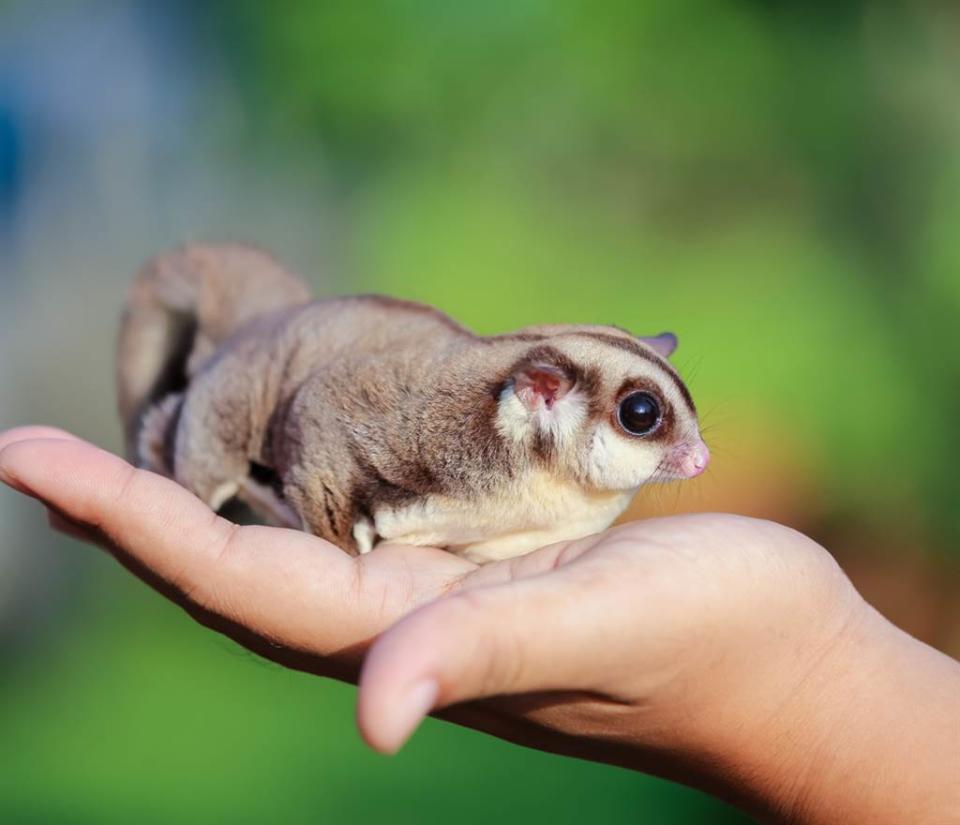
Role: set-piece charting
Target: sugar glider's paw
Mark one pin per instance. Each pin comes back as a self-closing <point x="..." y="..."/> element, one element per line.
<point x="267" y="504"/>
<point x="364" y="534"/>
<point x="155" y="440"/>
<point x="221" y="494"/>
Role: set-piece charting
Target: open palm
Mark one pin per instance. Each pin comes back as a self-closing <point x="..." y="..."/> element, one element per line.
<point x="720" y="651"/>
<point x="584" y="647"/>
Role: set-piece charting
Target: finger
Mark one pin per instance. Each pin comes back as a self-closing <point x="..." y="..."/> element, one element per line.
<point x="31" y="432"/>
<point x="532" y="635"/>
<point x="290" y="587"/>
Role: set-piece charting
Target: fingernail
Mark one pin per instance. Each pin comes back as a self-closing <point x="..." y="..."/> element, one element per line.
<point x="410" y="709"/>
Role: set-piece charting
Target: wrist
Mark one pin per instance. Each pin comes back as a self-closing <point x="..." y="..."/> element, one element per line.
<point x="869" y="733"/>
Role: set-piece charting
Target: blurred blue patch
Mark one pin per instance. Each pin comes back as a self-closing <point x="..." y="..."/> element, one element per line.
<point x="11" y="162"/>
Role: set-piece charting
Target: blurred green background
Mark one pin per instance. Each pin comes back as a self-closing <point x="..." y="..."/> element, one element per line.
<point x="778" y="182"/>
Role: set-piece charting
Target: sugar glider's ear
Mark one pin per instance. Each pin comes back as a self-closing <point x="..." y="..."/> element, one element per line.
<point x="540" y="385"/>
<point x="663" y="344"/>
<point x="540" y="399"/>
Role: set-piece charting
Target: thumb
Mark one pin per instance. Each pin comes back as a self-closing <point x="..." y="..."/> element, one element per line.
<point x="530" y="635"/>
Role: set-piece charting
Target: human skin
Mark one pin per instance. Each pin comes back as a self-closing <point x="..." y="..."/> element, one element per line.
<point x="723" y="652"/>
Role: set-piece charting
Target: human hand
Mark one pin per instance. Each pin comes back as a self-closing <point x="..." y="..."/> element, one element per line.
<point x="701" y="648"/>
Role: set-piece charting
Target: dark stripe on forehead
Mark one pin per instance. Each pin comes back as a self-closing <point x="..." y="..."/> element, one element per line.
<point x="636" y="348"/>
<point x="625" y="342"/>
<point x="523" y="337"/>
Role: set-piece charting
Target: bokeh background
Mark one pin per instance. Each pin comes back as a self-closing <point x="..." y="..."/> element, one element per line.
<point x="776" y="181"/>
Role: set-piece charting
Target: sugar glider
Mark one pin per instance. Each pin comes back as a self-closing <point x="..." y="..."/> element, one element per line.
<point x="366" y="418"/>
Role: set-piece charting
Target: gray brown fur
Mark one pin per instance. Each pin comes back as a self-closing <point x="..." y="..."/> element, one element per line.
<point x="355" y="403"/>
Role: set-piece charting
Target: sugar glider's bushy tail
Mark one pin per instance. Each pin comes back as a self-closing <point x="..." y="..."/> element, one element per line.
<point x="181" y="305"/>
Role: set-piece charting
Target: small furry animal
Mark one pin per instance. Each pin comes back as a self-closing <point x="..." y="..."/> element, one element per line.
<point x="368" y="418"/>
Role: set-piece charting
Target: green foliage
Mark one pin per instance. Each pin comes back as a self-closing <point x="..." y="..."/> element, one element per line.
<point x="771" y="178"/>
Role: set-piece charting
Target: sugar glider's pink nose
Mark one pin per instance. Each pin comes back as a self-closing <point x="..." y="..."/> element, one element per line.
<point x="696" y="459"/>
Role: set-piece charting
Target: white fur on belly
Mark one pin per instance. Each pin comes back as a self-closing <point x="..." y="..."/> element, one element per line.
<point x="531" y="513"/>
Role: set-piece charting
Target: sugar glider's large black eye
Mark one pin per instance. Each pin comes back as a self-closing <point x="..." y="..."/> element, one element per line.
<point x="639" y="413"/>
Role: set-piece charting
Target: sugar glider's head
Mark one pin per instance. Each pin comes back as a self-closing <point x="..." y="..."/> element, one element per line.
<point x="601" y="406"/>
